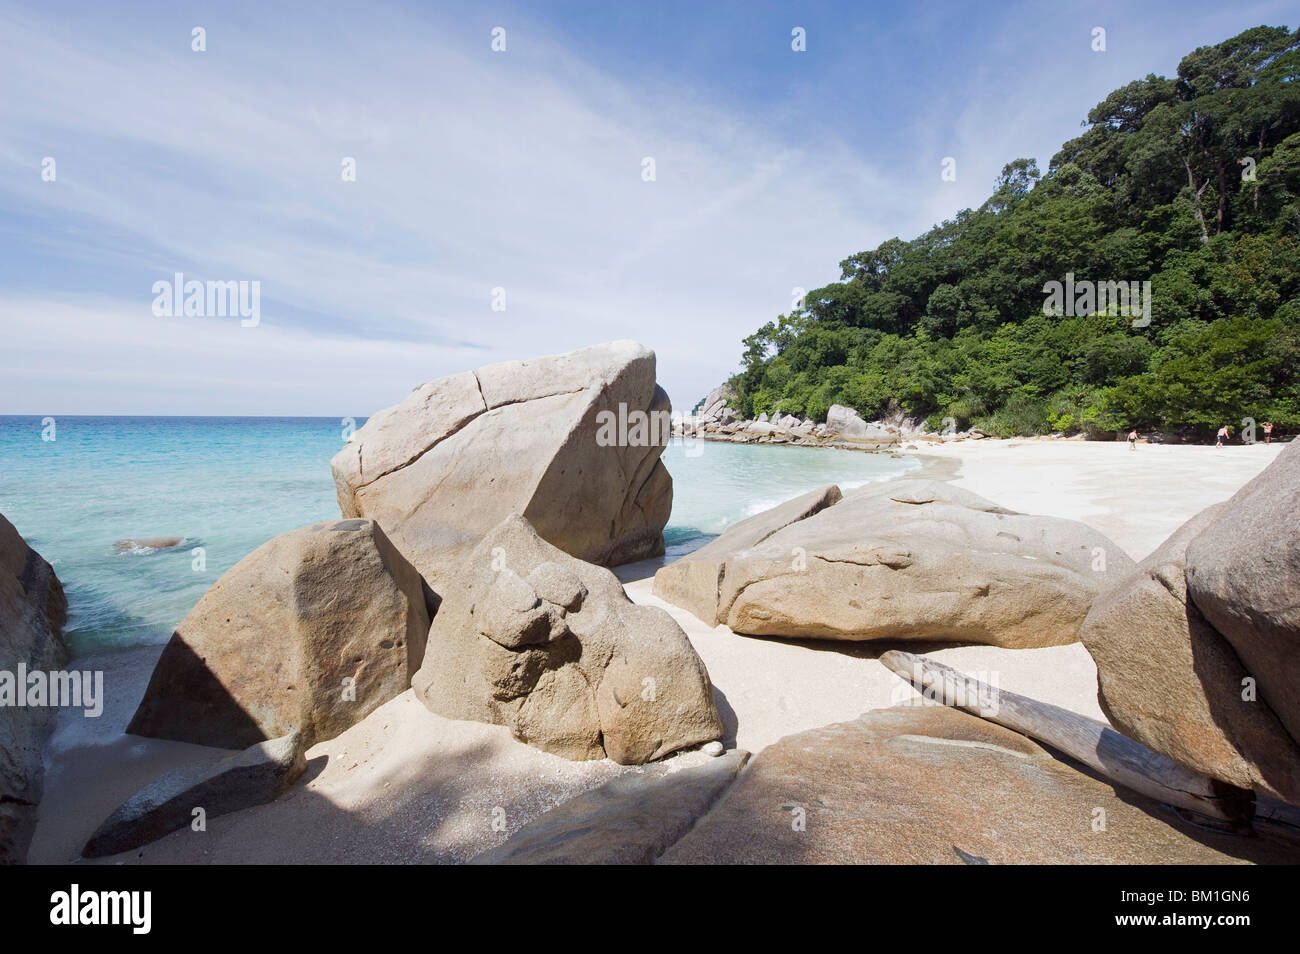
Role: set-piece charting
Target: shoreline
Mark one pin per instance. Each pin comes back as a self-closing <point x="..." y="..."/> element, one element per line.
<point x="1137" y="498"/>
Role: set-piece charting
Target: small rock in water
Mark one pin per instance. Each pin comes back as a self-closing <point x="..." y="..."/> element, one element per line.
<point x="713" y="748"/>
<point x="152" y="543"/>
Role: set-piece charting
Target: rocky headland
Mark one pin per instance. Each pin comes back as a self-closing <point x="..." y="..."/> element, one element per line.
<point x="844" y="428"/>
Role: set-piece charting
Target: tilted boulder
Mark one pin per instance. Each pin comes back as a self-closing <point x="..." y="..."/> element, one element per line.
<point x="33" y="609"/>
<point x="308" y="633"/>
<point x="1169" y="679"/>
<point x="259" y="774"/>
<point x="918" y="560"/>
<point x="1243" y="573"/>
<point x="460" y="454"/>
<point x="694" y="581"/>
<point x="533" y="639"/>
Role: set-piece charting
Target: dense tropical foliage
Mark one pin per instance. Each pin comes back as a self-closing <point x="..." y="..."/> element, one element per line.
<point x="1192" y="183"/>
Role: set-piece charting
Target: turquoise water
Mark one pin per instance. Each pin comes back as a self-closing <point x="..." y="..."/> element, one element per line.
<point x="227" y="485"/>
<point x="718" y="484"/>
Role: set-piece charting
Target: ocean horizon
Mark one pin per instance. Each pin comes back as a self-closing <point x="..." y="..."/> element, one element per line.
<point x="226" y="485"/>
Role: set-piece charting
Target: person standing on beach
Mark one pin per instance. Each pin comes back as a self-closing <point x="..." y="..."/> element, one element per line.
<point x="1268" y="432"/>
<point x="1133" y="439"/>
<point x="1225" y="434"/>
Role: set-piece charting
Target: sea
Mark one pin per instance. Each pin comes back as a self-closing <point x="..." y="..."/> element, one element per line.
<point x="75" y="486"/>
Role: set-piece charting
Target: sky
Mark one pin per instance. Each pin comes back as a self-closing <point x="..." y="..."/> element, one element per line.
<point x="501" y="206"/>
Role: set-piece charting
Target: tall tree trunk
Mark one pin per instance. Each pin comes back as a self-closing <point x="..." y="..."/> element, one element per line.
<point x="1196" y="201"/>
<point x="1222" y="213"/>
<point x="1262" y="130"/>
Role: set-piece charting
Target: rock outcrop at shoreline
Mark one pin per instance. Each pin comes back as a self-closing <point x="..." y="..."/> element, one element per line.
<point x="845" y="422"/>
<point x="918" y="560"/>
<point x="843" y="428"/>
<point x="716" y="408"/>
<point x="1211" y="614"/>
<point x="460" y="454"/>
<point x="33" y="610"/>
<point x="551" y="647"/>
<point x="308" y="633"/>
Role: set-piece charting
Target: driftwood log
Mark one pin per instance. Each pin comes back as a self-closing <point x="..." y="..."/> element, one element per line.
<point x="1093" y="743"/>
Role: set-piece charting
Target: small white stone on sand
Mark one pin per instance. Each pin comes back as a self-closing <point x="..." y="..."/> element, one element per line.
<point x="713" y="748"/>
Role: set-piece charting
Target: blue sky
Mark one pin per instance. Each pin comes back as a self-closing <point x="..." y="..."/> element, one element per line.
<point x="477" y="170"/>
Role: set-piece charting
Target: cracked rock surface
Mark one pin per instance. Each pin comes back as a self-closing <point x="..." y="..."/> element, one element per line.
<point x="914" y="560"/>
<point x="462" y="453"/>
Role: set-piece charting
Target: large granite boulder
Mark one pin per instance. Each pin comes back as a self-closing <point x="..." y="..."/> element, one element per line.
<point x="629" y="820"/>
<point x="1169" y="679"/>
<point x="1243" y="573"/>
<point x="32" y="612"/>
<point x="845" y="421"/>
<point x="460" y="454"/>
<point x="259" y="774"/>
<point x="308" y="633"/>
<point x="916" y="560"/>
<point x="694" y="581"/>
<point x="845" y="424"/>
<point x="933" y="785"/>
<point x="531" y="638"/>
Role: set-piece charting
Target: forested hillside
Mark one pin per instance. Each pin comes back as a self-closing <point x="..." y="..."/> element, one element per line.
<point x="1191" y="183"/>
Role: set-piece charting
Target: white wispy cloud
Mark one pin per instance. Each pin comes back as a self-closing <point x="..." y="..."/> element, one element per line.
<point x="93" y="356"/>
<point x="475" y="170"/>
<point x="519" y="170"/>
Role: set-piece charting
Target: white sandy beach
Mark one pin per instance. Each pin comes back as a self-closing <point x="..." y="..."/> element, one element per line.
<point x="1137" y="498"/>
<point x="407" y="786"/>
